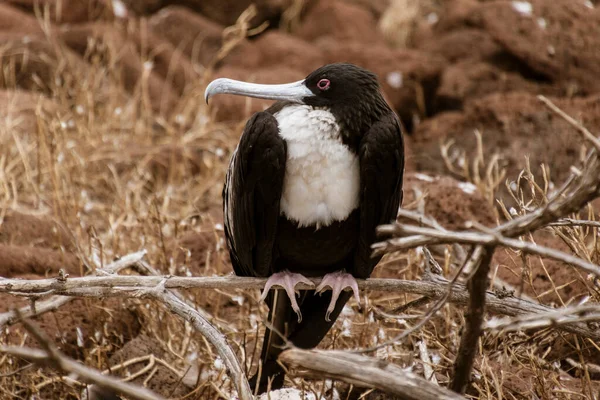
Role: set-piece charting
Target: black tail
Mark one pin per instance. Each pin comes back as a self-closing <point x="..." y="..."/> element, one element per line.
<point x="305" y="335"/>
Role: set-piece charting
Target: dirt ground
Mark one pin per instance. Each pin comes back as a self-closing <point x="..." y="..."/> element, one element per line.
<point x="107" y="148"/>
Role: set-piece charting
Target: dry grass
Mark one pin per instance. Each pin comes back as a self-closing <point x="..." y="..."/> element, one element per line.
<point x="122" y="177"/>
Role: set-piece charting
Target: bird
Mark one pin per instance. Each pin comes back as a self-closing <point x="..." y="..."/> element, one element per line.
<point x="311" y="178"/>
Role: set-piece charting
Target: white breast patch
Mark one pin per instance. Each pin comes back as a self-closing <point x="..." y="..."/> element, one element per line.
<point x="322" y="177"/>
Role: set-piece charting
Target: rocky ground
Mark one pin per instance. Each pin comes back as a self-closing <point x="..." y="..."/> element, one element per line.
<point x="106" y="148"/>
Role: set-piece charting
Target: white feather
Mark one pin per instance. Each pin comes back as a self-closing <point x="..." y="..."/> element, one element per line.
<point x="322" y="176"/>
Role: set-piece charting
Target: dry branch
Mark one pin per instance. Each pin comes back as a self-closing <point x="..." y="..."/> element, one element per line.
<point x="434" y="287"/>
<point x="580" y="188"/>
<point x="469" y="340"/>
<point x="366" y="372"/>
<point x="10" y="317"/>
<point x="212" y="334"/>
<point x="157" y="291"/>
<point x="428" y="236"/>
<point x="583" y="313"/>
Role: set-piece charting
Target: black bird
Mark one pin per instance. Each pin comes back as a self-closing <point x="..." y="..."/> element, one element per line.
<point x="310" y="180"/>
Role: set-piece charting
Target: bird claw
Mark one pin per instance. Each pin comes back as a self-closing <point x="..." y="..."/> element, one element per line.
<point x="288" y="281"/>
<point x="337" y="281"/>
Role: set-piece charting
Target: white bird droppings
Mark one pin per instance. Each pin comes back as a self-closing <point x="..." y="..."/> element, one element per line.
<point x="523" y="7"/>
<point x="395" y="79"/>
<point x="467" y="187"/>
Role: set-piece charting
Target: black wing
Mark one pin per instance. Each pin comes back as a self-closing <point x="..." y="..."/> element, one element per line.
<point x="381" y="155"/>
<point x="252" y="194"/>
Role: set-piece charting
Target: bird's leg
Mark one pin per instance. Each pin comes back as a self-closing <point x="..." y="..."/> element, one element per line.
<point x="288" y="281"/>
<point x="337" y="281"/>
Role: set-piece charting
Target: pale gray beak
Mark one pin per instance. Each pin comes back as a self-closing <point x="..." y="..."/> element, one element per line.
<point x="294" y="92"/>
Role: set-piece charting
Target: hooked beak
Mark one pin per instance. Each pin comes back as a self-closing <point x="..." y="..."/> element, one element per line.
<point x="295" y="91"/>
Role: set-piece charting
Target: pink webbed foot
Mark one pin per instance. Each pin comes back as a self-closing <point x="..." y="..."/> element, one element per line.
<point x="337" y="281"/>
<point x="288" y="281"/>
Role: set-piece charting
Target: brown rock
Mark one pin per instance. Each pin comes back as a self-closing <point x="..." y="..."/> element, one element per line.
<point x="198" y="37"/>
<point x="409" y="78"/>
<point x="470" y="80"/>
<point x="515" y="125"/>
<point x="341" y="21"/>
<point x="108" y="318"/>
<point x="29" y="230"/>
<point x="67" y="11"/>
<point x="276" y="48"/>
<point x="14" y="20"/>
<point x="18" y="260"/>
<point x="458" y="14"/>
<point x="226" y="12"/>
<point x="375" y="7"/>
<point x="238" y="108"/>
<point x="557" y="41"/>
<point x="34" y="65"/>
<point x="461" y="44"/>
<point x="163" y="381"/>
<point x="167" y="62"/>
<point x="118" y="46"/>
<point x="450" y="202"/>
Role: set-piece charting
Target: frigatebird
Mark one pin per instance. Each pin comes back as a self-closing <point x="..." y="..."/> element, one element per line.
<point x="310" y="180"/>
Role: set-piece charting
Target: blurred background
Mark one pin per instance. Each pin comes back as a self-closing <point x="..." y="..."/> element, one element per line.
<point x="107" y="147"/>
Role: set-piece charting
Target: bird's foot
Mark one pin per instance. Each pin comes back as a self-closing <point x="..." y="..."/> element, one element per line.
<point x="337" y="281"/>
<point x="288" y="281"/>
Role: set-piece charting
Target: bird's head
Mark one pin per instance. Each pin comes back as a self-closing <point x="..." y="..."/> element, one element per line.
<point x="351" y="93"/>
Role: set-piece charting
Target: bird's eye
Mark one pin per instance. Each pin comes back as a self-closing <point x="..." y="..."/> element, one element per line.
<point x="323" y="84"/>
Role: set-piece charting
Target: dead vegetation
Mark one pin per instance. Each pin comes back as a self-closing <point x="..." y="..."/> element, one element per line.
<point x="116" y="173"/>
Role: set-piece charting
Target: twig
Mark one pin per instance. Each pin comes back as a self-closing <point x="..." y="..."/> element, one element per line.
<point x="575" y="222"/>
<point x="435" y="287"/>
<point x="365" y="372"/>
<point x="424" y="356"/>
<point x="576" y="124"/>
<point x="469" y="341"/>
<point x="52" y="356"/>
<point x="427" y="236"/>
<point x="561" y="316"/>
<point x="441" y="301"/>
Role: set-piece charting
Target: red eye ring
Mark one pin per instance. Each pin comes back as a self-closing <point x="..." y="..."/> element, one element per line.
<point x="323" y="84"/>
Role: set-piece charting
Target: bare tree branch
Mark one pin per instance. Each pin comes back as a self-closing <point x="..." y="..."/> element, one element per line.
<point x="434" y="287"/>
<point x="10" y="317"/>
<point x="366" y="372"/>
<point x="469" y="341"/>
<point x="428" y="236"/>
